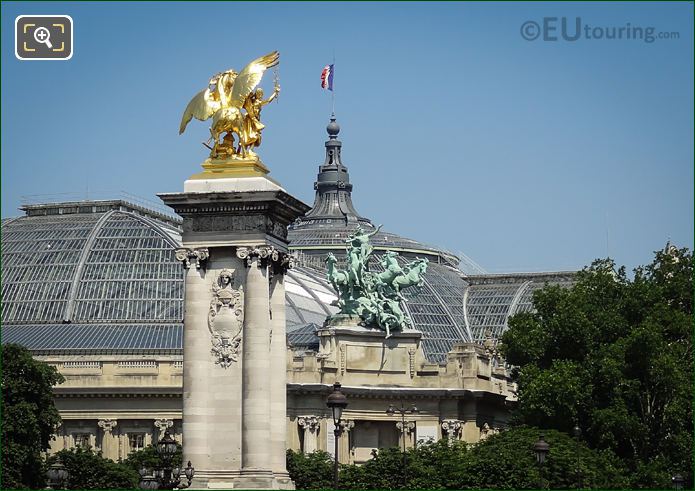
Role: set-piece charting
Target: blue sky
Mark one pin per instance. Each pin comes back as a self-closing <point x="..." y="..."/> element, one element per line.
<point x="525" y="155"/>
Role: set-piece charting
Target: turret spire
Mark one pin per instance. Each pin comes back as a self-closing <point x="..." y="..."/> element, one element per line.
<point x="333" y="202"/>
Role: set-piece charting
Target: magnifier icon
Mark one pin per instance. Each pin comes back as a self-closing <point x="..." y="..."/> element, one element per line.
<point x="43" y="36"/>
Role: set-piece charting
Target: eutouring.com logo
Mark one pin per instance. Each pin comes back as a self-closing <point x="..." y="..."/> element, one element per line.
<point x="573" y="29"/>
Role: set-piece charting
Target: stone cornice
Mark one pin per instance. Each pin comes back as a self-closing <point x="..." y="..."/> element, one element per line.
<point x="396" y="392"/>
<point x="121" y="392"/>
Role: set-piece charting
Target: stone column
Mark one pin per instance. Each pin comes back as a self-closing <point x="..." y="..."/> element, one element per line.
<point x="122" y="446"/>
<point x="345" y="450"/>
<point x="255" y="372"/>
<point x="196" y="358"/>
<point x="311" y="425"/>
<point x="148" y="438"/>
<point x="278" y="367"/>
<point x="109" y="441"/>
<point x="233" y="392"/>
<point x="470" y="433"/>
<point x="406" y="433"/>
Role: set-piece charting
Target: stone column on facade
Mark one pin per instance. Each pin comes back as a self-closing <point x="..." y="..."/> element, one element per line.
<point x="345" y="451"/>
<point x="196" y="358"/>
<point x="255" y="407"/>
<point x="148" y="438"/>
<point x="122" y="446"/>
<point x="109" y="441"/>
<point x="406" y="432"/>
<point x="470" y="432"/>
<point x="310" y="425"/>
<point x="278" y="367"/>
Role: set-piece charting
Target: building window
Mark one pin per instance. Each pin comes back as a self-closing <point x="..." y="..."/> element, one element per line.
<point x="136" y="441"/>
<point x="81" y="440"/>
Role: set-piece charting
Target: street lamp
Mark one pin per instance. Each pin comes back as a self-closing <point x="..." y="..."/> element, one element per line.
<point x="577" y="432"/>
<point x="336" y="402"/>
<point x="165" y="475"/>
<point x="57" y="475"/>
<point x="391" y="411"/>
<point x="541" y="449"/>
<point x="677" y="481"/>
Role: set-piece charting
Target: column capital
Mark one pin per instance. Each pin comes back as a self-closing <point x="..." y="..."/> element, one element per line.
<point x="309" y="422"/>
<point x="346" y="425"/>
<point x="452" y="427"/>
<point x="268" y="256"/>
<point x="163" y="424"/>
<point x="408" y="428"/>
<point x="107" y="424"/>
<point x="199" y="256"/>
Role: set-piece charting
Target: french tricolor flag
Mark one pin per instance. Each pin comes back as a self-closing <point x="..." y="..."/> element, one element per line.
<point x="327" y="77"/>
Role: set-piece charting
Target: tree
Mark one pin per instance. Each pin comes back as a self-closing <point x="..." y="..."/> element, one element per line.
<point x="89" y="470"/>
<point x="502" y="461"/>
<point x="506" y="461"/>
<point x="149" y="458"/>
<point x="310" y="471"/>
<point x="29" y="416"/>
<point x="614" y="356"/>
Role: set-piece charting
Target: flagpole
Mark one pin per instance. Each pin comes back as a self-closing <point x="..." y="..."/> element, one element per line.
<point x="333" y="91"/>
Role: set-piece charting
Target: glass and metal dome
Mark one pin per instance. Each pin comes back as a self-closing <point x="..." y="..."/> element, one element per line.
<point x="93" y="277"/>
<point x="84" y="276"/>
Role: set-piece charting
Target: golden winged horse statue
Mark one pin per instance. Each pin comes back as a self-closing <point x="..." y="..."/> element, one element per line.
<point x="234" y="102"/>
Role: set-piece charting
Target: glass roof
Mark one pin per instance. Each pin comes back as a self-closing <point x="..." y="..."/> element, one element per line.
<point x="491" y="299"/>
<point x="307" y="237"/>
<point x="303" y="336"/>
<point x="91" y="267"/>
<point x="77" y="339"/>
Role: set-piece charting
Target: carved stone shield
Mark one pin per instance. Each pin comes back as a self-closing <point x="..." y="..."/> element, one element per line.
<point x="226" y="318"/>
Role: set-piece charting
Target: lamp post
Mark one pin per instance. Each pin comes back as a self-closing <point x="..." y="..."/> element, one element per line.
<point x="336" y="402"/>
<point x="541" y="449"/>
<point x="677" y="481"/>
<point x="57" y="475"/>
<point x="577" y="432"/>
<point x="391" y="411"/>
<point x="166" y="476"/>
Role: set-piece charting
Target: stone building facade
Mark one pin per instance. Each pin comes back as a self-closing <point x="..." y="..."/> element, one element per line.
<point x="118" y="404"/>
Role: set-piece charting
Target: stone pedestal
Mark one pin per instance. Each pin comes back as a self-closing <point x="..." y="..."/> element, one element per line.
<point x="365" y="356"/>
<point x="235" y="254"/>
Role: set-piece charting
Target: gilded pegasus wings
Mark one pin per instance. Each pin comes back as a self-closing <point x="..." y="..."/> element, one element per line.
<point x="201" y="107"/>
<point x="249" y="78"/>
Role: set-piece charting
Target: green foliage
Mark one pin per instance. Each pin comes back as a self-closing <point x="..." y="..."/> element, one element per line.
<point x="614" y="355"/>
<point x="503" y="461"/>
<point x="29" y="416"/>
<point x="149" y="458"/>
<point x="506" y="461"/>
<point x="89" y="470"/>
<point x="310" y="471"/>
<point x="439" y="465"/>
